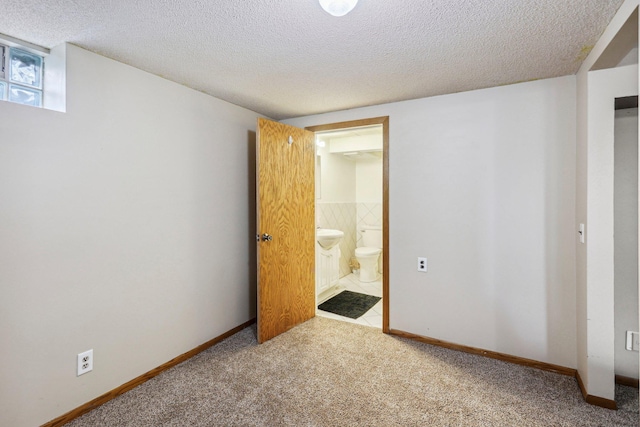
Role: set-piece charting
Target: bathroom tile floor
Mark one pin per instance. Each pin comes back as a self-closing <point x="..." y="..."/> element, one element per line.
<point x="372" y="317"/>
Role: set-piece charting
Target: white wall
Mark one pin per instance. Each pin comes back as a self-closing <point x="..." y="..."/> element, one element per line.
<point x="626" y="238"/>
<point x="338" y="177"/>
<point x="483" y="183"/>
<point x="369" y="180"/>
<point x="126" y="226"/>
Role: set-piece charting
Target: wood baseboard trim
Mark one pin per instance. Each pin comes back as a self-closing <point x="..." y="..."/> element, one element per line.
<point x="583" y="389"/>
<point x="487" y="353"/>
<point x="89" y="406"/>
<point x="595" y="400"/>
<point x="627" y="381"/>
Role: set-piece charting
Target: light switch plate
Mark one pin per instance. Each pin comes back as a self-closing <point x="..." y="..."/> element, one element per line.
<point x="633" y="341"/>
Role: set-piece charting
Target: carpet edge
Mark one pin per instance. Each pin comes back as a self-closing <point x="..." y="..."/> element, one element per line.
<point x="101" y="400"/>
<point x="517" y="360"/>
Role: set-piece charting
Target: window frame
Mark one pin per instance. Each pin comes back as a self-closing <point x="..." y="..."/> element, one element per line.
<point x="4" y="89"/>
<point x="3" y="63"/>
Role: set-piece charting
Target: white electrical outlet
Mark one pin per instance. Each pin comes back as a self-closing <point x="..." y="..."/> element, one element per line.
<point x="633" y="341"/>
<point x="422" y="264"/>
<point x="85" y="362"/>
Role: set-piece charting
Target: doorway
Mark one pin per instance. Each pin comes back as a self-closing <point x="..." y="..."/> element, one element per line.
<point x="352" y="206"/>
<point x="626" y="240"/>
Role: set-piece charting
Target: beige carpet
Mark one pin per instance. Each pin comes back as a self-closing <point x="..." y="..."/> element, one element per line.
<point x="331" y="373"/>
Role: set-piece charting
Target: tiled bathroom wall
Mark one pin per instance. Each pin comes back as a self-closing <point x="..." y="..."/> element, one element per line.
<point x="340" y="216"/>
<point x="368" y="214"/>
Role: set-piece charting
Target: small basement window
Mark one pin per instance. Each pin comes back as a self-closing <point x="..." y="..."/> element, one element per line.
<point x="21" y="76"/>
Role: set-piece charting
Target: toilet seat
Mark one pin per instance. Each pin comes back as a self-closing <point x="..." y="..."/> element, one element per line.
<point x="365" y="251"/>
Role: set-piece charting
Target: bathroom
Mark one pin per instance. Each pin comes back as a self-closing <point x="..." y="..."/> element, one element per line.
<point x="349" y="183"/>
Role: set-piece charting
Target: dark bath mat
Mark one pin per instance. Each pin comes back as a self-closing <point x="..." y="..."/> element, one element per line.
<point x="349" y="304"/>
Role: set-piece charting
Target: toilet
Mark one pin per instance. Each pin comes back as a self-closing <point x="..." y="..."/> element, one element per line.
<point x="369" y="254"/>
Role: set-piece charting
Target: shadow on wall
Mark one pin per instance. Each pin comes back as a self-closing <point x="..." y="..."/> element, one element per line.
<point x="251" y="226"/>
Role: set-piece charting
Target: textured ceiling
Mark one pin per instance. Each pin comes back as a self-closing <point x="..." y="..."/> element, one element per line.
<point x="288" y="58"/>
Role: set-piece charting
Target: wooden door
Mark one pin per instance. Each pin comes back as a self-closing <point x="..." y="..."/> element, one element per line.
<point x="286" y="227"/>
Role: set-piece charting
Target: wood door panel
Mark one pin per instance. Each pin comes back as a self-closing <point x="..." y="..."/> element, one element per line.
<point x="286" y="211"/>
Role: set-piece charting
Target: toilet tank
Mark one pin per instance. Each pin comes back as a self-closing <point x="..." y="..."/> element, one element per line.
<point x="372" y="236"/>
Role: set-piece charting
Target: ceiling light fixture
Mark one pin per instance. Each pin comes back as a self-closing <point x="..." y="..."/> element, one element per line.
<point x="338" y="7"/>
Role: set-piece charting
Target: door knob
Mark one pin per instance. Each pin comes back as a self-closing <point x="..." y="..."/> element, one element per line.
<point x="267" y="237"/>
